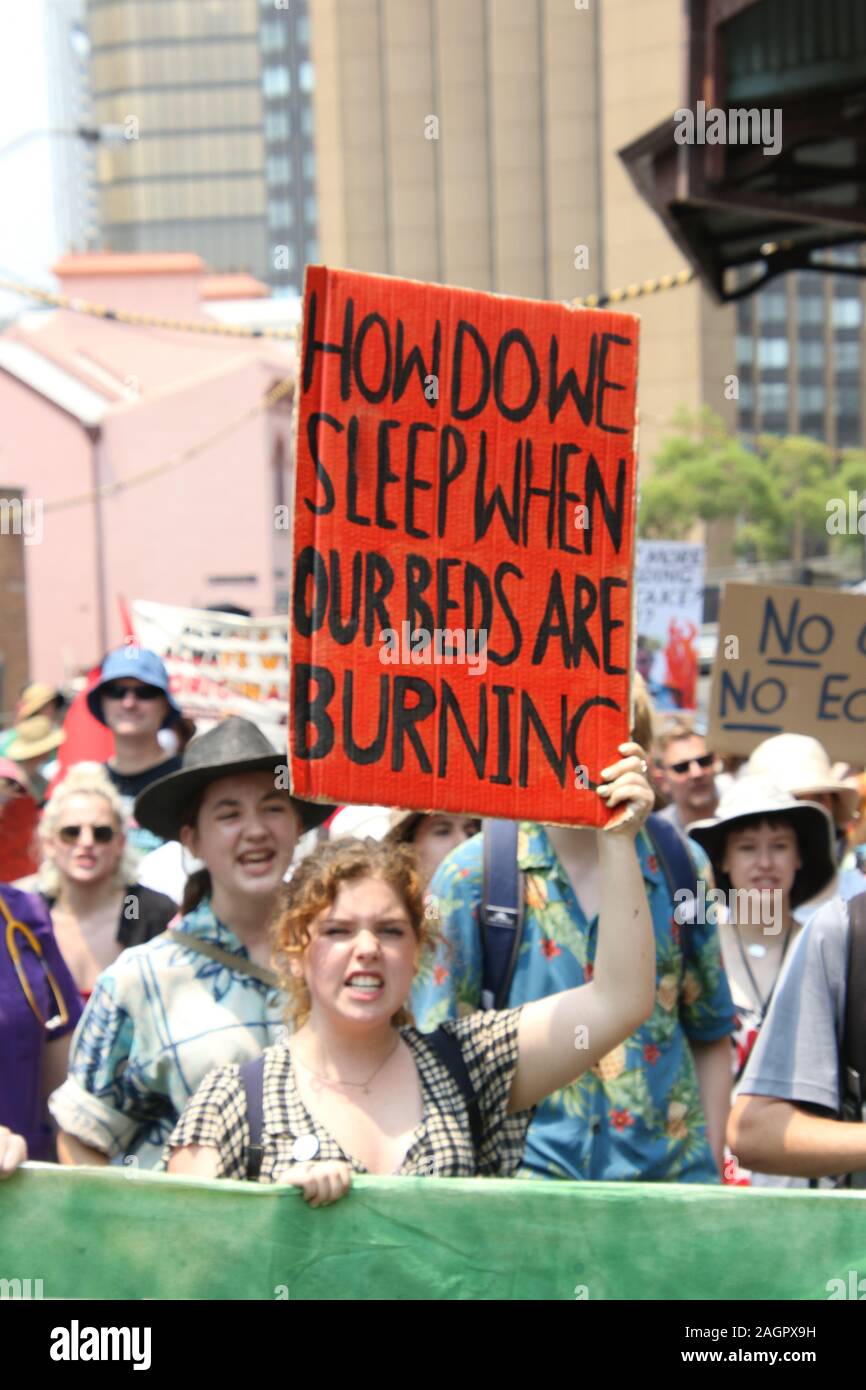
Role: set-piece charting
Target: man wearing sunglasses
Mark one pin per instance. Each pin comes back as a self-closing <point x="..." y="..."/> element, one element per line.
<point x="686" y="773"/>
<point x="133" y="700"/>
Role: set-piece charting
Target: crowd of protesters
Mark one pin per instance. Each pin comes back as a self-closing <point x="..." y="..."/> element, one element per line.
<point x="202" y="973"/>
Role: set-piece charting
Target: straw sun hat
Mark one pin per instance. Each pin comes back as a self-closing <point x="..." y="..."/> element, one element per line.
<point x="34" y="738"/>
<point x="800" y="765"/>
<point x="34" y="699"/>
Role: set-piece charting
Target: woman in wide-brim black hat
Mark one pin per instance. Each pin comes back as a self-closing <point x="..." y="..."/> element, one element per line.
<point x="770" y="854"/>
<point x="202" y="994"/>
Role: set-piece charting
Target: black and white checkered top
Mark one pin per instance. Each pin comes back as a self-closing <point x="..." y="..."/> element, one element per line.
<point x="441" y="1146"/>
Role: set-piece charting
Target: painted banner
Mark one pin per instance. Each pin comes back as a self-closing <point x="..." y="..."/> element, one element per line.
<point x="670" y="610"/>
<point x="220" y="664"/>
<point x="790" y="660"/>
<point x="461" y="610"/>
<point x="79" y="1233"/>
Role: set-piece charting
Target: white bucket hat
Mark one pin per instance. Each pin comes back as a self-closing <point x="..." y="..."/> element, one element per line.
<point x="755" y="795"/>
<point x="801" y="766"/>
<point x="360" y="822"/>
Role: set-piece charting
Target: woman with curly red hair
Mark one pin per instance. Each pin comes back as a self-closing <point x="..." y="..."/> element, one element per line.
<point x="356" y="1088"/>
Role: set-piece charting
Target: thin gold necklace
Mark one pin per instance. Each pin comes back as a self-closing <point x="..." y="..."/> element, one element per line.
<point x="358" y="1085"/>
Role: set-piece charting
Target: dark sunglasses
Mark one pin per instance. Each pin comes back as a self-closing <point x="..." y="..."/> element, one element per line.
<point x="704" y="761"/>
<point x="71" y="834"/>
<point x="141" y="692"/>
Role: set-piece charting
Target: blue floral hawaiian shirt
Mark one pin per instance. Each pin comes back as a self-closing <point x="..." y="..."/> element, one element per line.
<point x="160" y="1018"/>
<point x="637" y="1114"/>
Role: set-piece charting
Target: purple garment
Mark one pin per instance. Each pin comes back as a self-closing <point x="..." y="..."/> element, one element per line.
<point x="22" y="1038"/>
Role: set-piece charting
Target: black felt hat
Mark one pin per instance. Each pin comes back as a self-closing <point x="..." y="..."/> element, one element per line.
<point x="235" y="745"/>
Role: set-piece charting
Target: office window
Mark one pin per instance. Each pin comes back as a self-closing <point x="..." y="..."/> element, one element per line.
<point x="847" y="355"/>
<point x="811" y="399"/>
<point x="776" y="423"/>
<point x="773" y="352"/>
<point x="308" y="165"/>
<point x="847" y="313"/>
<point x="848" y="431"/>
<point x="813" y="425"/>
<point x="772" y="308"/>
<point x="273" y="34"/>
<point x="312" y="249"/>
<point x="306" y="76"/>
<point x="281" y="212"/>
<point x="747" y="395"/>
<point x="278" y="125"/>
<point x="810" y="308"/>
<point x="810" y="352"/>
<point x="302" y="29"/>
<point x="745" y="347"/>
<point x="276" y="82"/>
<point x="311" y="209"/>
<point x="307" y="119"/>
<point x="774" y="396"/>
<point x="278" y="168"/>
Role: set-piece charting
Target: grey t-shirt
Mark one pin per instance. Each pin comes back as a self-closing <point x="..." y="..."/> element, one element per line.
<point x="796" y="1057"/>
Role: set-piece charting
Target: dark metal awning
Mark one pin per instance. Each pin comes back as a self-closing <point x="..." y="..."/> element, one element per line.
<point x="782" y="74"/>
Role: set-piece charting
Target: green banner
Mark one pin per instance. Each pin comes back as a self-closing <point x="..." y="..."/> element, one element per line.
<point x="122" y="1233"/>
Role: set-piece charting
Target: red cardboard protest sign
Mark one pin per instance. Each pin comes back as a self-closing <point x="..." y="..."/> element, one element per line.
<point x="461" y="604"/>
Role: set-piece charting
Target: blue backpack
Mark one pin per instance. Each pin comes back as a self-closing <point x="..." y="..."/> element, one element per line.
<point x="503" y="899"/>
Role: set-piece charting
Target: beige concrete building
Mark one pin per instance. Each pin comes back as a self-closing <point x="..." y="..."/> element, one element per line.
<point x="215" y="100"/>
<point x="475" y="142"/>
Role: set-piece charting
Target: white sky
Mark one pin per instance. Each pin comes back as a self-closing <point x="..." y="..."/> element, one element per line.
<point x="27" y="233"/>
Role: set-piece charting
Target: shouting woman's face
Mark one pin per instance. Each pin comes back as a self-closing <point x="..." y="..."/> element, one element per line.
<point x="362" y="955"/>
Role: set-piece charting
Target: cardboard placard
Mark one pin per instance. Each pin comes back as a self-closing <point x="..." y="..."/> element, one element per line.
<point x="670" y="609"/>
<point x="790" y="661"/>
<point x="219" y="663"/>
<point x="461" y="605"/>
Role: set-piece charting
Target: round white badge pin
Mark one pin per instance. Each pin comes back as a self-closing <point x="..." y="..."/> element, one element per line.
<point x="306" y="1146"/>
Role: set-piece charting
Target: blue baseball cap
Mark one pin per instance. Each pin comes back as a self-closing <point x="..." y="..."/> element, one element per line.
<point x="137" y="663"/>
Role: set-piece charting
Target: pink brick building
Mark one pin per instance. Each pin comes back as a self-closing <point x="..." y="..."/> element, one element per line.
<point x="87" y="402"/>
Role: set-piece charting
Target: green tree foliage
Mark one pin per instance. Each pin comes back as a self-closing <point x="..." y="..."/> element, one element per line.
<point x="777" y="490"/>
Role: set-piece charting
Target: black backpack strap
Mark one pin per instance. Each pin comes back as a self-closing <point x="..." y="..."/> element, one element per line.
<point x="680" y="873"/>
<point x="501" y="912"/>
<point x="852" y="1062"/>
<point x="450" y="1054"/>
<point x="252" y="1076"/>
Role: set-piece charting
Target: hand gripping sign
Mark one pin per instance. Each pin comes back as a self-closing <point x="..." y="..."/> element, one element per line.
<point x="461" y="604"/>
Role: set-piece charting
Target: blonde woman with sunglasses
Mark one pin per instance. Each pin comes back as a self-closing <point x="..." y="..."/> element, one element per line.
<point x="87" y="877"/>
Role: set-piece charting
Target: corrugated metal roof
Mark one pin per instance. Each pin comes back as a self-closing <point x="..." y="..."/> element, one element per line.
<point x="52" y="382"/>
<point x="780" y="47"/>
